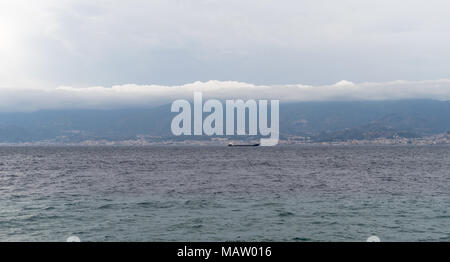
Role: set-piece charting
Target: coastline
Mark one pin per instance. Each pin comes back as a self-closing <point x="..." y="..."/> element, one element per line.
<point x="440" y="139"/>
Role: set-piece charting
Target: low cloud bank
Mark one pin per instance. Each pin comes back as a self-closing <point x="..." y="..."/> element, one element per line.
<point x="132" y="95"/>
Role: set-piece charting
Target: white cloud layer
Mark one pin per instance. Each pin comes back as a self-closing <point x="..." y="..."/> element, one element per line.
<point x="58" y="54"/>
<point x="132" y="95"/>
<point x="85" y="43"/>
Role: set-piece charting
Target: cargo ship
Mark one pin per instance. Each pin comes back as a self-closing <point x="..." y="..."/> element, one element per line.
<point x="231" y="144"/>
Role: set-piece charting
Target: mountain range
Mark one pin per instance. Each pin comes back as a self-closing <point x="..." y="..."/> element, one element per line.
<point x="320" y="121"/>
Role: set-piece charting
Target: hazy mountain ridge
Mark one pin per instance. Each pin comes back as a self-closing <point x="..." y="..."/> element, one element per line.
<point x="321" y="121"/>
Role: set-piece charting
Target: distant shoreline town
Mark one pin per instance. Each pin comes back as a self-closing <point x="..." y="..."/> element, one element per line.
<point x="439" y="139"/>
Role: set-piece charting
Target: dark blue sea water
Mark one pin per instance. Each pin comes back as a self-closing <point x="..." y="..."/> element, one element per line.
<point x="314" y="193"/>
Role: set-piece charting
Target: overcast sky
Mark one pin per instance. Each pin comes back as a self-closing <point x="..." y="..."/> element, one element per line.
<point x="52" y="47"/>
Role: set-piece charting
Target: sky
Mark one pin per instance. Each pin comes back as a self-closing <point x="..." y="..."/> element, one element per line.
<point x="67" y="53"/>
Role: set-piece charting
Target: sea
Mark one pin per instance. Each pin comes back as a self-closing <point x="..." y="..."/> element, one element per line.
<point x="212" y="193"/>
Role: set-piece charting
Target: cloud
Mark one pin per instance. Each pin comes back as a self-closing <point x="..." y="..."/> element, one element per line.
<point x="59" y="54"/>
<point x="132" y="95"/>
<point x="82" y="42"/>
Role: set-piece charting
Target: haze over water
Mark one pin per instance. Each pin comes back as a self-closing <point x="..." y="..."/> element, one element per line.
<point x="314" y="193"/>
